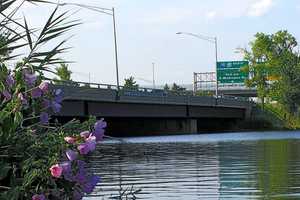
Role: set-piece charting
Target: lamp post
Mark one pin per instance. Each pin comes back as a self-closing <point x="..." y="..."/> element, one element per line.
<point x="153" y="75"/>
<point x="213" y="40"/>
<point x="107" y="11"/>
<point x="116" y="47"/>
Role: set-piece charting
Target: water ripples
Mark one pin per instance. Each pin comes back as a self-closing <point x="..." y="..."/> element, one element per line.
<point x="233" y="169"/>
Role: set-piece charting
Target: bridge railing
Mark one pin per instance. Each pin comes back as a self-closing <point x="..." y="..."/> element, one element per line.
<point x="111" y="92"/>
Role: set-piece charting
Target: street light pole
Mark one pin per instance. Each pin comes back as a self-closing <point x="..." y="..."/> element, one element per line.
<point x="116" y="48"/>
<point x="217" y="82"/>
<point x="107" y="11"/>
<point x="153" y="78"/>
<point x="213" y="40"/>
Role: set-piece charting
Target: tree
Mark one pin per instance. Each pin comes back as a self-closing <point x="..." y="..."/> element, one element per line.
<point x="274" y="68"/>
<point x="287" y="88"/>
<point x="166" y="87"/>
<point x="130" y="83"/>
<point x="176" y="89"/>
<point x="63" y="73"/>
<point x="258" y="64"/>
<point x="64" y="76"/>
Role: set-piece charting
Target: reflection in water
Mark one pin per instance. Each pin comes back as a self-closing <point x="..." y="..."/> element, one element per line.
<point x="263" y="169"/>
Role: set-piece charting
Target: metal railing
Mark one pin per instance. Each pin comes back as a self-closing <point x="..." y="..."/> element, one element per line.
<point x="140" y="91"/>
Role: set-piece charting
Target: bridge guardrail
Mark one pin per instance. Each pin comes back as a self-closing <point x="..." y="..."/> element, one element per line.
<point x="145" y="95"/>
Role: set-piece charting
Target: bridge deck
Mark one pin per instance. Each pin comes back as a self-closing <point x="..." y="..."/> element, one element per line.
<point x="83" y="101"/>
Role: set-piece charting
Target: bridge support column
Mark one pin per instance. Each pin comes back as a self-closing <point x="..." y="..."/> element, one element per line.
<point x="191" y="126"/>
<point x="248" y="113"/>
<point x="179" y="126"/>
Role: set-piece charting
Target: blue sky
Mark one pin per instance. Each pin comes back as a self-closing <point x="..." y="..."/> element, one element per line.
<point x="146" y="33"/>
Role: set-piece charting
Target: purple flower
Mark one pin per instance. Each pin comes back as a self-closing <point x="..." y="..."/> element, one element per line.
<point x="71" y="155"/>
<point x="10" y="81"/>
<point x="45" y="104"/>
<point x="29" y="78"/>
<point x="81" y="164"/>
<point x="36" y="92"/>
<point x="58" y="96"/>
<point x="38" y="197"/>
<point x="66" y="166"/>
<point x="91" y="142"/>
<point x="58" y="92"/>
<point x="56" y="107"/>
<point x="98" y="134"/>
<point x="84" y="148"/>
<point x="92" y="145"/>
<point x="67" y="171"/>
<point x="44" y="118"/>
<point x="99" y="130"/>
<point x="77" y="195"/>
<point x="85" y="134"/>
<point x="44" y="86"/>
<point x="81" y="176"/>
<point x="101" y="124"/>
<point x="7" y="95"/>
<point x="22" y="99"/>
<point x="58" y="99"/>
<point x="89" y="186"/>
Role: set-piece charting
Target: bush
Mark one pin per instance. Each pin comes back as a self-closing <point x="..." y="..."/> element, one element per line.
<point x="40" y="160"/>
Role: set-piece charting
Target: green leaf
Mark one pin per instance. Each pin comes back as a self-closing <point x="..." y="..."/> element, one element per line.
<point x="4" y="115"/>
<point x="18" y="119"/>
<point x="5" y="167"/>
<point x="28" y="35"/>
<point x="2" y="87"/>
<point x="4" y="4"/>
<point x="12" y="194"/>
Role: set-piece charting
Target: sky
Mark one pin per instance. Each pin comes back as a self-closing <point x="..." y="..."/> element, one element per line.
<point x="146" y="34"/>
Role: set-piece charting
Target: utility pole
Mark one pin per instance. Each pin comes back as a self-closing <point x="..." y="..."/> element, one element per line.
<point x="213" y="40"/>
<point x="116" y="48"/>
<point x="153" y="77"/>
<point x="217" y="83"/>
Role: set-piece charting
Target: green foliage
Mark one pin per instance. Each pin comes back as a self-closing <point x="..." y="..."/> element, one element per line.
<point x="166" y="87"/>
<point x="290" y="121"/>
<point x="130" y="83"/>
<point x="63" y="73"/>
<point x="204" y="93"/>
<point x="28" y="147"/>
<point x="177" y="90"/>
<point x="3" y="45"/>
<point x="274" y="69"/>
<point x="56" y="25"/>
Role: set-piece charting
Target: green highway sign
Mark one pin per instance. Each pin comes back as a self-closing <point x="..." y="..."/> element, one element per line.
<point x="230" y="72"/>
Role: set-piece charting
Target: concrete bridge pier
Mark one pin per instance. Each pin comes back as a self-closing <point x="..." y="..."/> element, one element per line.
<point x="191" y="126"/>
<point x="122" y="127"/>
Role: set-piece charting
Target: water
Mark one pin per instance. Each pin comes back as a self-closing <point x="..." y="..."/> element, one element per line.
<point x="216" y="166"/>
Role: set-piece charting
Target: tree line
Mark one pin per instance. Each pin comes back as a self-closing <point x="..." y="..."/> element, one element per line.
<point x="274" y="69"/>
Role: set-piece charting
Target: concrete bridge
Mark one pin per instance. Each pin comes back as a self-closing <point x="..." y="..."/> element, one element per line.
<point x="146" y="111"/>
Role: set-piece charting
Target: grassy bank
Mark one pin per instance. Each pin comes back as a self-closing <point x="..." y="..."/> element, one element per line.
<point x="271" y="117"/>
<point x="289" y="121"/>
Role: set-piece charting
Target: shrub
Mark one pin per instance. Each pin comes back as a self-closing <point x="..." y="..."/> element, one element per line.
<point x="39" y="159"/>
